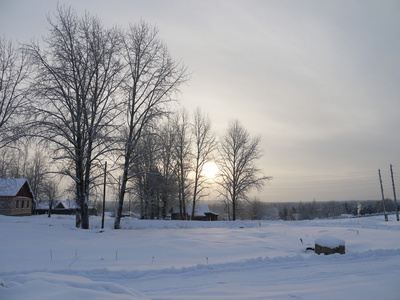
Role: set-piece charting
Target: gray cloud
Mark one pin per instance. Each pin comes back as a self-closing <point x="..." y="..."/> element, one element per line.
<point x="318" y="80"/>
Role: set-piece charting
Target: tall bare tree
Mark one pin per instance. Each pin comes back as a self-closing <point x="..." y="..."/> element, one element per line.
<point x="77" y="76"/>
<point x="13" y="75"/>
<point x="204" y="145"/>
<point x="183" y="143"/>
<point x="151" y="80"/>
<point x="148" y="180"/>
<point x="167" y="165"/>
<point x="238" y="172"/>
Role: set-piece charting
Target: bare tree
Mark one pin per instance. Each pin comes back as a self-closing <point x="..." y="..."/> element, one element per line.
<point x="183" y="158"/>
<point x="15" y="160"/>
<point x="151" y="80"/>
<point x="238" y="172"/>
<point x="167" y="165"/>
<point x="36" y="171"/>
<point x="9" y="163"/>
<point x="13" y="75"/>
<point x="148" y="178"/>
<point x="50" y="193"/>
<point x="76" y="80"/>
<point x="6" y="162"/>
<point x="256" y="209"/>
<point x="204" y="145"/>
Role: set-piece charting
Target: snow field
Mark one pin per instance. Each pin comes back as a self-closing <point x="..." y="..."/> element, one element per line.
<point x="42" y="258"/>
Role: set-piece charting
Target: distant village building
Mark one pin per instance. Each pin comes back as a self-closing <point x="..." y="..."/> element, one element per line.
<point x="64" y="207"/>
<point x="202" y="213"/>
<point x="16" y="197"/>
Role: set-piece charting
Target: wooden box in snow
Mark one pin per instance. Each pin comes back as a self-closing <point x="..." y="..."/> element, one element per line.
<point x="329" y="245"/>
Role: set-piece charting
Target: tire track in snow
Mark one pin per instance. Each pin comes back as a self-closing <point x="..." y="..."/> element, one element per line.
<point x="281" y="262"/>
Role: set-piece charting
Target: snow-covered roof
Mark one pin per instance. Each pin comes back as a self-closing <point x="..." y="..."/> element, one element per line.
<point x="329" y="241"/>
<point x="67" y="204"/>
<point x="44" y="204"/>
<point x="200" y="211"/>
<point x="9" y="187"/>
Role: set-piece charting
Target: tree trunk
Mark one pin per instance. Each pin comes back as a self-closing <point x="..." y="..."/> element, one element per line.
<point x="85" y="214"/>
<point x="117" y="221"/>
<point x="195" y="190"/>
<point x="234" y="210"/>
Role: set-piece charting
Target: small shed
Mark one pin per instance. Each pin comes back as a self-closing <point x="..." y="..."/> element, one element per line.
<point x="16" y="197"/>
<point x="202" y="213"/>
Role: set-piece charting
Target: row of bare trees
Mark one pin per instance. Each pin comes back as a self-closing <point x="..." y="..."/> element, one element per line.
<point x="92" y="94"/>
<point x="170" y="171"/>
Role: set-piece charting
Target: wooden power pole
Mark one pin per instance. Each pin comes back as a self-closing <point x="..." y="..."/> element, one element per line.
<point x="394" y="193"/>
<point x="383" y="197"/>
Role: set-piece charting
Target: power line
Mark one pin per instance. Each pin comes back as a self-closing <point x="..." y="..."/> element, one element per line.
<point x="360" y="180"/>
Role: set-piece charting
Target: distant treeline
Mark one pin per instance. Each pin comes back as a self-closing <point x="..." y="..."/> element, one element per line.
<point x="258" y="210"/>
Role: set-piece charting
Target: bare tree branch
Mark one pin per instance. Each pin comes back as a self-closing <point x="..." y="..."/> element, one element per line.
<point x="14" y="72"/>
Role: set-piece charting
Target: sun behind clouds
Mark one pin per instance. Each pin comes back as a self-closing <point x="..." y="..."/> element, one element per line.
<point x="210" y="170"/>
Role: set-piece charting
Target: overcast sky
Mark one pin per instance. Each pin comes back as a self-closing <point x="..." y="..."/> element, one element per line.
<point x="319" y="81"/>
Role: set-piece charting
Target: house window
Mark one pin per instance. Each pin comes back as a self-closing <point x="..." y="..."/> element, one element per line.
<point x="27" y="204"/>
<point x="17" y="204"/>
<point x="22" y="204"/>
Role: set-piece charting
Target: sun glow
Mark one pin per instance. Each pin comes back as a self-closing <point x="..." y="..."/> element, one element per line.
<point x="210" y="170"/>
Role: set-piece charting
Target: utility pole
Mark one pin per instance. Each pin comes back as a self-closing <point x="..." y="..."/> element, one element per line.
<point x="104" y="196"/>
<point x="383" y="197"/>
<point x="394" y="193"/>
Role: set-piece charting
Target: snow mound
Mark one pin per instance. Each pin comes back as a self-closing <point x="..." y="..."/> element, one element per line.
<point x="330" y="242"/>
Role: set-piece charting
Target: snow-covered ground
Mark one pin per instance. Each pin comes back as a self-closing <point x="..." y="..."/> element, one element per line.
<point x="42" y="258"/>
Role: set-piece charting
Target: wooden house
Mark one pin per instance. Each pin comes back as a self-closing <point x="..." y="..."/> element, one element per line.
<point x="66" y="207"/>
<point x="202" y="213"/>
<point x="16" y="197"/>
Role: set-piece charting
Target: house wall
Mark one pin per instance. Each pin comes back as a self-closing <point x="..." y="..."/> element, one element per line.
<point x="24" y="206"/>
<point x="25" y="191"/>
<point x="5" y="205"/>
<point x="177" y="216"/>
<point x="211" y="217"/>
